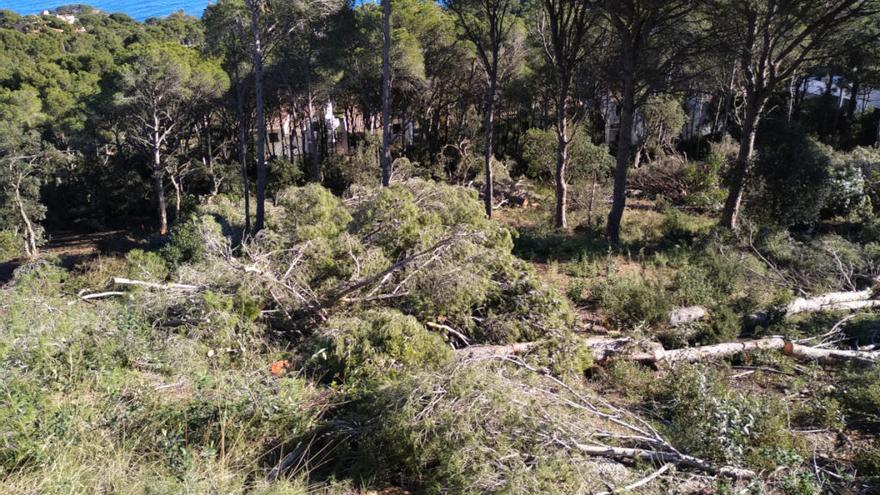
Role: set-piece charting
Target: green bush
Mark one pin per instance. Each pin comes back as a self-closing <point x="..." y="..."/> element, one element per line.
<point x="704" y="417"/>
<point x="282" y="174"/>
<point x="586" y="160"/>
<point x="376" y="346"/>
<point x="793" y="179"/>
<point x="867" y="462"/>
<point x="631" y="300"/>
<point x="11" y="246"/>
<point x="146" y="265"/>
<point x="860" y="396"/>
<point x="187" y="242"/>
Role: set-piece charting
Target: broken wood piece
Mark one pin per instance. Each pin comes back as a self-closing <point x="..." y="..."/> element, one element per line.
<point x="100" y="295"/>
<point x="153" y="285"/>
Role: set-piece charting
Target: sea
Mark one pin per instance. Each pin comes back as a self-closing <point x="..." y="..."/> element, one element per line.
<point x="137" y="9"/>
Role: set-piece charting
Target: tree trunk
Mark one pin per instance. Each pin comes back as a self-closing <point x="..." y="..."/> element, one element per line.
<point x="177" y="195"/>
<point x="261" y="118"/>
<point x="159" y="187"/>
<point x="242" y="155"/>
<point x="490" y="134"/>
<point x="561" y="159"/>
<point x="30" y="245"/>
<point x="853" y="103"/>
<point x="315" y="153"/>
<point x="624" y="149"/>
<point x="386" y="94"/>
<point x="730" y="214"/>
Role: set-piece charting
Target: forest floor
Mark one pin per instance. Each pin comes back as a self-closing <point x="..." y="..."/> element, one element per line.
<point x="809" y="434"/>
<point x="73" y="247"/>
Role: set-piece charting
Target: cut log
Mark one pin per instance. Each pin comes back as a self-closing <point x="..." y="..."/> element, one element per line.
<point x="826" y="301"/>
<point x="831" y="356"/>
<point x="833" y="301"/>
<point x="153" y="285"/>
<point x="683" y="316"/>
<point x="695" y="354"/>
<point x="670" y="457"/>
<point x="605" y="349"/>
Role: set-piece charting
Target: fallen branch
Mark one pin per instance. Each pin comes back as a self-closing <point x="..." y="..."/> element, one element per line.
<point x="152" y="285"/>
<point x="667" y="457"/>
<point x="642" y="482"/>
<point x="100" y="295"/>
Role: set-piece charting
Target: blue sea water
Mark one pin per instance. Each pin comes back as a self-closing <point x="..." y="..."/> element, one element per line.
<point x="137" y="9"/>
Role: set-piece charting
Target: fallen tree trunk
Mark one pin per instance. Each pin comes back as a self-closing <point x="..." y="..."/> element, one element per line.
<point x="833" y="301"/>
<point x="153" y="285"/>
<point x="694" y="354"/>
<point x="671" y="457"/>
<point x="831" y="356"/>
<point x="604" y="349"/>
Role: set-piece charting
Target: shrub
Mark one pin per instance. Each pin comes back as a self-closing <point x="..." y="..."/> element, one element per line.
<point x="378" y="345"/>
<point x="867" y="462"/>
<point x="631" y="300"/>
<point x="187" y="242"/>
<point x="282" y="174"/>
<point x="146" y="265"/>
<point x="860" y="396"/>
<point x="821" y="412"/>
<point x="11" y="245"/>
<point x="793" y="176"/>
<point x="707" y="419"/>
<point x="586" y="160"/>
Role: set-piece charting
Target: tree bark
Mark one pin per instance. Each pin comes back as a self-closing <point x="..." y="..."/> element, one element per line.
<point x="257" y="55"/>
<point x="386" y="94"/>
<point x="624" y="150"/>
